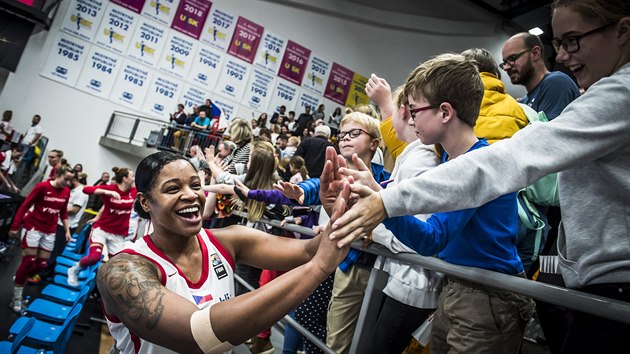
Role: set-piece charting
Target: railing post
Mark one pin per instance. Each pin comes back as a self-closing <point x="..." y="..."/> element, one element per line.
<point x="109" y="125"/>
<point x="133" y="130"/>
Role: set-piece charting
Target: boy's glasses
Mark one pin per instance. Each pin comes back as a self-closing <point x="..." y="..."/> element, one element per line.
<point x="354" y="133"/>
<point x="513" y="58"/>
<point x="571" y="44"/>
<point x="417" y="110"/>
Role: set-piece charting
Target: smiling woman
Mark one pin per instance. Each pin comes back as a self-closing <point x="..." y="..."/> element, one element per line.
<point x="172" y="277"/>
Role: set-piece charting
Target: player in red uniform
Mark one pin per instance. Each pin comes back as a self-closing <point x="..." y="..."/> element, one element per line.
<point x="49" y="200"/>
<point x="112" y="225"/>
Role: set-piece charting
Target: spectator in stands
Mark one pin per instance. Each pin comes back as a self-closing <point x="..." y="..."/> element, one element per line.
<point x="262" y="120"/>
<point x="298" y="169"/>
<point x="524" y="62"/>
<point x="292" y="144"/>
<point x="224" y="149"/>
<point x="589" y="140"/>
<point x="202" y="122"/>
<point x="304" y="122"/>
<point x="320" y="114"/>
<point x="6" y="130"/>
<point x="255" y="127"/>
<point x="212" y="111"/>
<point x="127" y="281"/>
<point x="78" y="168"/>
<point x="241" y="135"/>
<point x="179" y="117"/>
<point x="49" y="200"/>
<point x="55" y="160"/>
<point x="112" y="225"/>
<point x="8" y="165"/>
<point x="31" y="138"/>
<point x="281" y="122"/>
<point x="291" y="122"/>
<point x="281" y="112"/>
<point x="313" y="150"/>
<point x="334" y="119"/>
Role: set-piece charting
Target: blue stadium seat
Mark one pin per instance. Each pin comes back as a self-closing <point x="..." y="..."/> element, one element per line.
<point x="54" y="312"/>
<point x="64" y="295"/>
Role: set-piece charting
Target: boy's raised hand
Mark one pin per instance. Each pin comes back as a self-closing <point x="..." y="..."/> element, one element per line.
<point x="362" y="175"/>
<point x="379" y="91"/>
<point x="330" y="181"/>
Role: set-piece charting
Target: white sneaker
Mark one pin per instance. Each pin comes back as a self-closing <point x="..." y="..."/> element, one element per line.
<point x="73" y="275"/>
<point x="16" y="305"/>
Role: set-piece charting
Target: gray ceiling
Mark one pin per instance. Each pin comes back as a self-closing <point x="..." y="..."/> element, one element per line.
<point x="514" y="15"/>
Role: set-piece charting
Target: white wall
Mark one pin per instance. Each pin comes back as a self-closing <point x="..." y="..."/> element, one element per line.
<point x="74" y="121"/>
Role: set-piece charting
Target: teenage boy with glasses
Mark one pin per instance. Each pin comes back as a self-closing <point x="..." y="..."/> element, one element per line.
<point x="524" y="62"/>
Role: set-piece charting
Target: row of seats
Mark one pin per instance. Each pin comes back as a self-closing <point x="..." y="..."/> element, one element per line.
<point x="48" y="322"/>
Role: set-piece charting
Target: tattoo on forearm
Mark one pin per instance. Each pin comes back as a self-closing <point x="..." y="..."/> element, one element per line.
<point x="134" y="289"/>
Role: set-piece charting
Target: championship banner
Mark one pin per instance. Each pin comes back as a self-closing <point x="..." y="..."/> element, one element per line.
<point x="191" y="16"/>
<point x="161" y="11"/>
<point x="245" y="39"/>
<point x="178" y="55"/>
<point x="356" y="94"/>
<point x="294" y="63"/>
<point x="259" y="89"/>
<point x="133" y="5"/>
<point x="99" y="72"/>
<point x="218" y="29"/>
<point x="65" y="59"/>
<point x="228" y="110"/>
<point x="162" y="95"/>
<point x="147" y="42"/>
<point x="233" y="79"/>
<point x="83" y="17"/>
<point x="338" y="84"/>
<point x="268" y="56"/>
<point x="192" y="96"/>
<point x="206" y="67"/>
<point x="307" y="98"/>
<point x="116" y="29"/>
<point x="316" y="74"/>
<point x="284" y="94"/>
<point x="131" y="85"/>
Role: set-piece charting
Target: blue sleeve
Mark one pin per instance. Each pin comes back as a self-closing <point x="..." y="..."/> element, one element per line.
<point x="311" y="191"/>
<point x="430" y="237"/>
<point x="269" y="196"/>
<point x="558" y="92"/>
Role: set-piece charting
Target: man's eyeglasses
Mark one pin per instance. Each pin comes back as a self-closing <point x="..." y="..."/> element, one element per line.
<point x="513" y="58"/>
<point x="419" y="109"/>
<point x="354" y="133"/>
<point x="571" y="44"/>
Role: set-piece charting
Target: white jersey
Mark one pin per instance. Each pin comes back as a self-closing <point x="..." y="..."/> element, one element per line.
<point x="215" y="285"/>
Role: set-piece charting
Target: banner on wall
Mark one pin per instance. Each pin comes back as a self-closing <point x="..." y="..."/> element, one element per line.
<point x="316" y="74"/>
<point x="131" y="85"/>
<point x="133" y="5"/>
<point x="83" y="18"/>
<point x="338" y="84"/>
<point x="228" y="110"/>
<point x="307" y="98"/>
<point x="147" y="42"/>
<point x="99" y="72"/>
<point x="218" y="29"/>
<point x="65" y="59"/>
<point x="294" y="62"/>
<point x="116" y="29"/>
<point x="162" y="95"/>
<point x="245" y="39"/>
<point x="178" y="55"/>
<point x="259" y="89"/>
<point x="161" y="11"/>
<point x="269" y="51"/>
<point x="233" y="79"/>
<point x="192" y="96"/>
<point x="284" y="94"/>
<point x="191" y="16"/>
<point x="206" y="67"/>
<point x="356" y="94"/>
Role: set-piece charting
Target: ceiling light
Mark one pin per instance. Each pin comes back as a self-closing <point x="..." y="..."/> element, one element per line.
<point x="536" y="31"/>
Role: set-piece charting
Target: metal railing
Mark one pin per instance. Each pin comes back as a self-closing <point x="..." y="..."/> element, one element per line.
<point x="572" y="299"/>
<point x="154" y="133"/>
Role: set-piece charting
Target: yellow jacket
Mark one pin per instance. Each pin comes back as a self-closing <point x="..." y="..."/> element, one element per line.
<point x="500" y="115"/>
<point x="392" y="143"/>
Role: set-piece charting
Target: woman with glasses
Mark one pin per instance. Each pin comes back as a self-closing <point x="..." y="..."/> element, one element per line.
<point x="588" y="144"/>
<point x="49" y="200"/>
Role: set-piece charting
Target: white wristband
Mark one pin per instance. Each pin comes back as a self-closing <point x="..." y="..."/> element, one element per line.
<point x="203" y="334"/>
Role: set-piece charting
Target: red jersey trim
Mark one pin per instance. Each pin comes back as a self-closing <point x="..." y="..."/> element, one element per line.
<point x="220" y="247"/>
<point x="160" y="268"/>
<point x="204" y="261"/>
